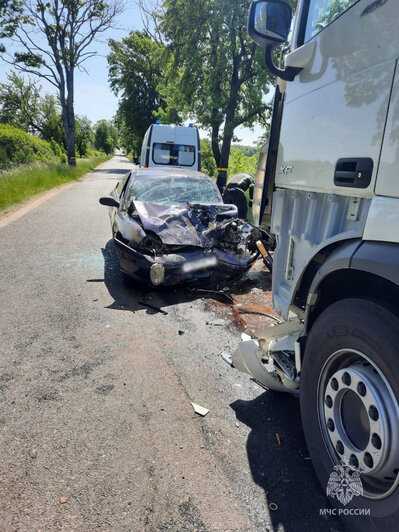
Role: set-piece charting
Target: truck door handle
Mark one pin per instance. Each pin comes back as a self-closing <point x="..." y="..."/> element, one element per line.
<point x="354" y="173"/>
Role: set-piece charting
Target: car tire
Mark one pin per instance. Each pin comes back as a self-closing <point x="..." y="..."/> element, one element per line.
<point x="359" y="338"/>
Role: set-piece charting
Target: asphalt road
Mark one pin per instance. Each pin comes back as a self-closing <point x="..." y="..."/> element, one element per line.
<point x="97" y="430"/>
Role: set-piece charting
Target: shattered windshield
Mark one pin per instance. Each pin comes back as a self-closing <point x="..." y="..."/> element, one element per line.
<point x="174" y="190"/>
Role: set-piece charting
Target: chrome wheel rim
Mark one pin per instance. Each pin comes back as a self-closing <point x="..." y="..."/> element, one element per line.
<point x="359" y="420"/>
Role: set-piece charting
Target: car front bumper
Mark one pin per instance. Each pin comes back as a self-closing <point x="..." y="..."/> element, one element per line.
<point x="138" y="265"/>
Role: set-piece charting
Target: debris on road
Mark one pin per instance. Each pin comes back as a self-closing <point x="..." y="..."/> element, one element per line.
<point x="278" y="438"/>
<point x="273" y="506"/>
<point x="180" y="333"/>
<point x="201" y="410"/>
<point x="227" y="358"/>
<point x="216" y="292"/>
<point x="217" y="323"/>
<point x="153" y="307"/>
<point x="33" y="453"/>
<point x="256" y="313"/>
<point x="63" y="499"/>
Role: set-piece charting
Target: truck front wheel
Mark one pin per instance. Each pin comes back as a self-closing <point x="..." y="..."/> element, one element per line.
<point x="350" y="412"/>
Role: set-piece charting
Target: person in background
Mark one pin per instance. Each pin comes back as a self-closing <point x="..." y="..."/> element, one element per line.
<point x="235" y="190"/>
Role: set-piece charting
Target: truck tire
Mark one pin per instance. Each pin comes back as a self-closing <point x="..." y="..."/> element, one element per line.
<point x="349" y="395"/>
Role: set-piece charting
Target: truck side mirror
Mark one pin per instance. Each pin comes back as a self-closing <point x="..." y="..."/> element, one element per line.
<point x="269" y="24"/>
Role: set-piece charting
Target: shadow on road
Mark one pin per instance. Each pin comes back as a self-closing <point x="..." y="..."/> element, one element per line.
<point x="117" y="171"/>
<point x="130" y="297"/>
<point x="283" y="470"/>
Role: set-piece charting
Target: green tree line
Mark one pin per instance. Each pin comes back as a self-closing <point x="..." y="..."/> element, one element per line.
<point x="53" y="39"/>
<point x="23" y="106"/>
<point x="192" y="60"/>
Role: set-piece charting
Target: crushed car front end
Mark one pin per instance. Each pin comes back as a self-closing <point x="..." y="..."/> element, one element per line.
<point x="185" y="244"/>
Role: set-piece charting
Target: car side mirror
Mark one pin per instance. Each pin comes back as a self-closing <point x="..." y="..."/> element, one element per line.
<point x="269" y="25"/>
<point x="109" y="201"/>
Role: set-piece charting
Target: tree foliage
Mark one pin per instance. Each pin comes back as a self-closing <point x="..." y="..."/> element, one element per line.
<point x="84" y="135"/>
<point x="246" y="150"/>
<point x="208" y="164"/>
<point x="106" y="137"/>
<point x="23" y="106"/>
<point x="20" y="103"/>
<point x="241" y="163"/>
<point x="134" y="74"/>
<point x="213" y="70"/>
<point x="53" y="38"/>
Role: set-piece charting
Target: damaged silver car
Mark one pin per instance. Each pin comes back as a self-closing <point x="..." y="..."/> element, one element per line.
<point x="170" y="226"/>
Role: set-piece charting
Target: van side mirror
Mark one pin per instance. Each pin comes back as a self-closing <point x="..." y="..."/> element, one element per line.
<point x="109" y="201"/>
<point x="269" y="25"/>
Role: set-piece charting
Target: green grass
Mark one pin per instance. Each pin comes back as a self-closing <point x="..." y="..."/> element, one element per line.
<point x="25" y="181"/>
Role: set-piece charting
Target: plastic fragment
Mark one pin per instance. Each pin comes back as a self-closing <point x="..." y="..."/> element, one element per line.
<point x="201" y="410"/>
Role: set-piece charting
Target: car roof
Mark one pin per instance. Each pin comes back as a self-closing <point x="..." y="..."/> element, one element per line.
<point x="169" y="172"/>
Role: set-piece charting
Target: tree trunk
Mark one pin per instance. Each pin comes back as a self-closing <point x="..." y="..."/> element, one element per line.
<point x="224" y="162"/>
<point x="68" y="120"/>
<point x="68" y="115"/>
<point x="215" y="144"/>
<point x="71" y="152"/>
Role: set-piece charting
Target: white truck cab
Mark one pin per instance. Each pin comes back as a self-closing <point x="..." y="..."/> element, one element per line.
<point x="170" y="145"/>
<point x="327" y="189"/>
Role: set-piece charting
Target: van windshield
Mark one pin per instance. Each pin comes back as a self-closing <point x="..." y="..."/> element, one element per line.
<point x="173" y="154"/>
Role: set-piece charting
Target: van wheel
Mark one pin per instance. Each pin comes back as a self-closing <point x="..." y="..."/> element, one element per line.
<point x="350" y="413"/>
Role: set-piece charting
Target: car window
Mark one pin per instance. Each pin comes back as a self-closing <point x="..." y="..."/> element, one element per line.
<point x="125" y="194"/>
<point x="173" y="154"/>
<point x="322" y="12"/>
<point x="185" y="155"/>
<point x="174" y="190"/>
<point x="161" y="153"/>
<point x="121" y="186"/>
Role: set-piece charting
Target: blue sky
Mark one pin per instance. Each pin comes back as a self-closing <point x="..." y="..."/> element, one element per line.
<point x="93" y="97"/>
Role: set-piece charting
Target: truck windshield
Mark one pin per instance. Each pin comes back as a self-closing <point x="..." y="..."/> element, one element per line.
<point x="174" y="190"/>
<point x="173" y="154"/>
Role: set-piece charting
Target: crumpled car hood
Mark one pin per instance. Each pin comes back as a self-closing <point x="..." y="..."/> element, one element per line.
<point x="186" y="224"/>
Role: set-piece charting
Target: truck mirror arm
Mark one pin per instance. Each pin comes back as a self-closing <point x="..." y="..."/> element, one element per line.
<point x="288" y="74"/>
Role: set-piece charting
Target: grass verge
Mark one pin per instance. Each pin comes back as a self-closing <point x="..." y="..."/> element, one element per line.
<point x="23" y="182"/>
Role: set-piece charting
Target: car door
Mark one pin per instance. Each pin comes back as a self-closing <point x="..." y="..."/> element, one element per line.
<point x="335" y="110"/>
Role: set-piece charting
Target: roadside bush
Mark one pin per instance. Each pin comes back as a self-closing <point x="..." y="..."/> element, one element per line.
<point x="18" y="147"/>
<point x="94" y="153"/>
<point x="59" y="151"/>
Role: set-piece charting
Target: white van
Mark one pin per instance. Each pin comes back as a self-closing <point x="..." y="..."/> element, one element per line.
<point x="170" y="145"/>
